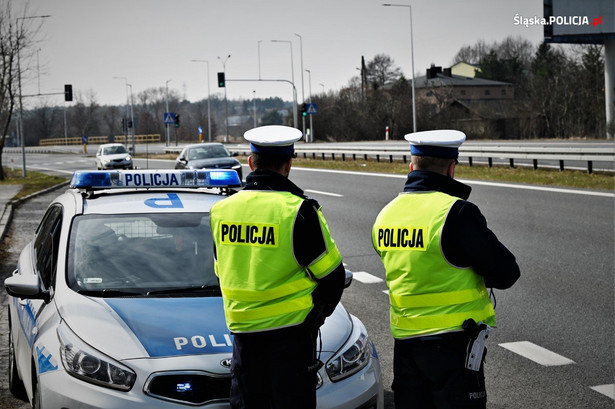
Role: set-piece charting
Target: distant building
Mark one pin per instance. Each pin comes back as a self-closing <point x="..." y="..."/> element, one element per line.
<point x="480" y="107"/>
<point x="464" y="69"/>
<point x="438" y="84"/>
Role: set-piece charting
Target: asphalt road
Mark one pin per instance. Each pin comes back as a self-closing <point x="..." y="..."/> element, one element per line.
<point x="563" y="303"/>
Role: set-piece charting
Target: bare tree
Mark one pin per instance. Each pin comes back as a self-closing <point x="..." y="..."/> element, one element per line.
<point x="84" y="114"/>
<point x="382" y="70"/>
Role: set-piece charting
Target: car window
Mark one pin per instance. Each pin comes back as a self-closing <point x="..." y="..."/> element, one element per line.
<point x="46" y="245"/>
<point x="207" y="152"/>
<point x="114" y="150"/>
<point x="140" y="252"/>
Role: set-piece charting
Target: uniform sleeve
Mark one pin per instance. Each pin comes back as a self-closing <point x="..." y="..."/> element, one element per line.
<point x="468" y="242"/>
<point x="309" y="245"/>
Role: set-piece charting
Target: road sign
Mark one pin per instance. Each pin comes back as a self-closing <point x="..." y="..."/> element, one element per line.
<point x="311" y="109"/>
<point x="169" y="117"/>
<point x="200" y="129"/>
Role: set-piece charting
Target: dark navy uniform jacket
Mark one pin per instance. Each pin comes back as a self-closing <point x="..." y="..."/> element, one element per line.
<point x="466" y="239"/>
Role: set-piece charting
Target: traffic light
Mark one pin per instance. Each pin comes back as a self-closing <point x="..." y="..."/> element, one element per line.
<point x="304" y="108"/>
<point x="221" y="83"/>
<point x="177" y="120"/>
<point x="68" y="92"/>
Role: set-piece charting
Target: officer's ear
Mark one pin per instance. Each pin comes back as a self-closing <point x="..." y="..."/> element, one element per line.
<point x="250" y="163"/>
<point x="450" y="170"/>
<point x="286" y="168"/>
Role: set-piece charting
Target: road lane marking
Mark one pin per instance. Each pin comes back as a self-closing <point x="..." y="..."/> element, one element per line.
<point x="536" y="353"/>
<point x="470" y="182"/>
<point x="366" y="278"/>
<point x="318" y="192"/>
<point x="541" y="188"/>
<point x="607" y="390"/>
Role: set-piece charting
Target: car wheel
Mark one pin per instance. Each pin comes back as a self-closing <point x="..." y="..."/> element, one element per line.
<point x="16" y="386"/>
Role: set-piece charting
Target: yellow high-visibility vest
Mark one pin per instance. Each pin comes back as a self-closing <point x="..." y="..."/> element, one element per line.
<point x="263" y="286"/>
<point x="427" y="294"/>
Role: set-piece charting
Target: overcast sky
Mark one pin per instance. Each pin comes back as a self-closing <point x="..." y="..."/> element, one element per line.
<point x="88" y="42"/>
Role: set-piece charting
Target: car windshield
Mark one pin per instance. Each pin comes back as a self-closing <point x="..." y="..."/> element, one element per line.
<point x="142" y="255"/>
<point x="114" y="150"/>
<point x="208" y="152"/>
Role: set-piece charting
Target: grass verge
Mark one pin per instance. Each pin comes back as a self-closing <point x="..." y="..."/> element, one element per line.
<point x="33" y="182"/>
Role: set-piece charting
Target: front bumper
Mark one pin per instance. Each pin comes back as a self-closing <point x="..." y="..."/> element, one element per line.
<point x="118" y="165"/>
<point x="60" y="390"/>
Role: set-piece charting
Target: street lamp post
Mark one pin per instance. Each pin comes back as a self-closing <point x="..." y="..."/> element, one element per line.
<point x="20" y="119"/>
<point x="127" y="103"/>
<point x="259" y="58"/>
<point x="225" y="99"/>
<point x="254" y="106"/>
<point x="292" y="70"/>
<point x="302" y="86"/>
<point x="132" y="121"/>
<point x="311" y="126"/>
<point x="208" y="99"/>
<point x="412" y="53"/>
<point x="166" y="126"/>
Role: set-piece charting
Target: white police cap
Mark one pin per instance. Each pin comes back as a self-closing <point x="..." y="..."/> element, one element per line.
<point x="273" y="139"/>
<point x="442" y="143"/>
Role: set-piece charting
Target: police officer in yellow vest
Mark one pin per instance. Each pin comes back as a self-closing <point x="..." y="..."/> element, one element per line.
<point x="440" y="257"/>
<point x="281" y="275"/>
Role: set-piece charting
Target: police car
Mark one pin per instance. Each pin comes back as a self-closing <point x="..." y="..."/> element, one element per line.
<point x="115" y="304"/>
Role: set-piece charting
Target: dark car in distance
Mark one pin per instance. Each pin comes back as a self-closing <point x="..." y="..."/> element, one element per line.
<point x="208" y="156"/>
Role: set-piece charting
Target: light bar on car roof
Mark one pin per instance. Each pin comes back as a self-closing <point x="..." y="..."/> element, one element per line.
<point x="155" y="179"/>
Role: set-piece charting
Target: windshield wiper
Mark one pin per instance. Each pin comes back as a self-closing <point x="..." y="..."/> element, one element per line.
<point x="203" y="289"/>
<point x="111" y="292"/>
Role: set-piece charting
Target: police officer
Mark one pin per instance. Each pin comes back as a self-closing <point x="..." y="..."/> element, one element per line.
<point x="440" y="257"/>
<point x="280" y="273"/>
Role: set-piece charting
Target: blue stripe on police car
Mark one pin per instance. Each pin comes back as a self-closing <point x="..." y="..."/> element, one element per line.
<point x="176" y="326"/>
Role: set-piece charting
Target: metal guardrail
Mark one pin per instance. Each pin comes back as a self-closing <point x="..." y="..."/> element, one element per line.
<point x="469" y="153"/>
<point x="97" y="140"/>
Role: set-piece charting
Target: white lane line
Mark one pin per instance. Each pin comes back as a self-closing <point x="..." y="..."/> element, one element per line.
<point x="470" y="182"/>
<point x="536" y="353"/>
<point x="366" y="278"/>
<point x="318" y="192"/>
<point x="607" y="390"/>
<point x="70" y="172"/>
<point x="541" y="188"/>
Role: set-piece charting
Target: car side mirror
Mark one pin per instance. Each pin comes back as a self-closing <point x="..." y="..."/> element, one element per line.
<point x="348" y="278"/>
<point x="25" y="286"/>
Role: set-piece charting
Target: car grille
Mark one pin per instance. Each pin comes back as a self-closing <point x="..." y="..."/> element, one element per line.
<point x="189" y="387"/>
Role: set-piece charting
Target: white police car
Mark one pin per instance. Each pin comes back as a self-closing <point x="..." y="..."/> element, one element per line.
<point x="115" y="304"/>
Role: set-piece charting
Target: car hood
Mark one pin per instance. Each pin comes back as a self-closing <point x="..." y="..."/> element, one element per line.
<point x="128" y="328"/>
<point x="212" y="163"/>
<point x="115" y="156"/>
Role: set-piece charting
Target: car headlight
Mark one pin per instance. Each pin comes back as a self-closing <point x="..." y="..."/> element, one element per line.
<point x="235" y="167"/>
<point x="128" y="157"/>
<point x="84" y="362"/>
<point x="351" y="359"/>
<point x="105" y="160"/>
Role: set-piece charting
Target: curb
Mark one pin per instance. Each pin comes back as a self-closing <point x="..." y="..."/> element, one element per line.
<point x="7" y="213"/>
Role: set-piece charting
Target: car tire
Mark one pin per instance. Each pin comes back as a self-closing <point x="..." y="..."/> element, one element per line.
<point x="16" y="386"/>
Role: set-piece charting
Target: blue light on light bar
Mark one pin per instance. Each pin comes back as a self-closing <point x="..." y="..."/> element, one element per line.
<point x="155" y="179"/>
